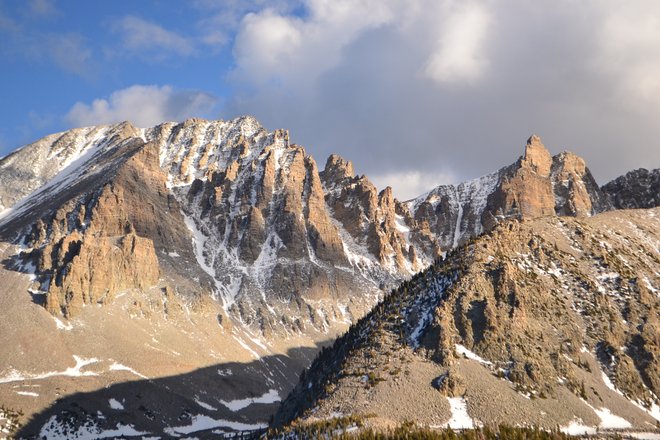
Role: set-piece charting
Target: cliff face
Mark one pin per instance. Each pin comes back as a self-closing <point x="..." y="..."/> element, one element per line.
<point x="253" y="219"/>
<point x="537" y="185"/>
<point x="289" y="246"/>
<point x="129" y="263"/>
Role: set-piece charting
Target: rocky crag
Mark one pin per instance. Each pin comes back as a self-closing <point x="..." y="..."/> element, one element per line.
<point x="636" y="189"/>
<point x="536" y="185"/>
<point x="547" y="322"/>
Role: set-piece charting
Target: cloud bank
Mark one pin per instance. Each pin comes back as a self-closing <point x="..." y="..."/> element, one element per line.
<point x="453" y="88"/>
<point x="144" y="106"/>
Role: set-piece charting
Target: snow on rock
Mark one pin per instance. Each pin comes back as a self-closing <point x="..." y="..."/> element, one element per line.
<point x="271" y="396"/>
<point x="420" y="314"/>
<point x="609" y="384"/>
<point x="56" y="429"/>
<point x="115" y="404"/>
<point x="462" y="350"/>
<point x="460" y="419"/>
<point x="470" y="196"/>
<point x="202" y="423"/>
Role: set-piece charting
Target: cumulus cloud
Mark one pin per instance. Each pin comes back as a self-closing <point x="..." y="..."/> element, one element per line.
<point x="223" y="18"/>
<point x="144" y="106"/>
<point x="272" y="48"/>
<point x="147" y="39"/>
<point x="409" y="184"/>
<point x="453" y="88"/>
<point x="459" y="53"/>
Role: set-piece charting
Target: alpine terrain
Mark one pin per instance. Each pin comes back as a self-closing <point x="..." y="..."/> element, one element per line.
<point x="176" y="280"/>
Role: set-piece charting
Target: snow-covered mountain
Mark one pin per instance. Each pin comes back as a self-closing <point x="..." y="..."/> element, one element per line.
<point x="214" y="254"/>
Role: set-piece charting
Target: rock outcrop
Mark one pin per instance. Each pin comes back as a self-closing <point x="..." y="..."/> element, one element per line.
<point x="636" y="189"/>
<point x="129" y="262"/>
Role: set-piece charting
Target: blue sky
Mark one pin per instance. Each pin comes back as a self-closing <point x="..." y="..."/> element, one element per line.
<point x="415" y="92"/>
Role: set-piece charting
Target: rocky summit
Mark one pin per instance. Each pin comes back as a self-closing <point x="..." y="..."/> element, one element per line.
<point x="176" y="280"/>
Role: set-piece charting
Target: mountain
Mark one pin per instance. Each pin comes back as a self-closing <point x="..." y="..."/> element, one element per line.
<point x="547" y="322"/>
<point x="205" y="263"/>
<point x="536" y="185"/>
<point x="636" y="189"/>
<point x="210" y="250"/>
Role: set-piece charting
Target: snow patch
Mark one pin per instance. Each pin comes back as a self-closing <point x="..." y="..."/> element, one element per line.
<point x="202" y="423"/>
<point x="271" y="396"/>
<point x="611" y="421"/>
<point x="75" y="371"/>
<point x="120" y="367"/>
<point x="642" y="435"/>
<point x="61" y="325"/>
<point x="577" y="428"/>
<point x="27" y="393"/>
<point x="205" y="405"/>
<point x="55" y="429"/>
<point x="115" y="404"/>
<point x="462" y="350"/>
<point x="460" y="419"/>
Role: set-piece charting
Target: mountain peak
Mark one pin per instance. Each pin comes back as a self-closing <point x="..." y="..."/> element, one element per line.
<point x="537" y="156"/>
<point x="337" y="169"/>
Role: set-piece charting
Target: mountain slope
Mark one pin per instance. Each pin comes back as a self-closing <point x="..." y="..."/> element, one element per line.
<point x="544" y="322"/>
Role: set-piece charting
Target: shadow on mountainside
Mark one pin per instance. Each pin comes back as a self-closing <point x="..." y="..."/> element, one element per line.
<point x="24" y="263"/>
<point x="205" y="403"/>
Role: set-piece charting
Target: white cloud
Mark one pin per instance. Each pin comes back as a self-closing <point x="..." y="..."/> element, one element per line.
<point x="149" y="39"/>
<point x="409" y="184"/>
<point x="144" y="106"/>
<point x="222" y="19"/>
<point x="459" y="53"/>
<point x="628" y="47"/>
<point x="272" y="48"/>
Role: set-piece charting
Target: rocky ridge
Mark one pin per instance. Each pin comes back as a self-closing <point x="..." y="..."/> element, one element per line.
<point x="636" y="189"/>
<point x="257" y="210"/>
<point x="557" y="317"/>
<point x="536" y="185"/>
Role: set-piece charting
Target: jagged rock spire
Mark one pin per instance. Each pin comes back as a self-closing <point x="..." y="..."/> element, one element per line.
<point x="537" y="157"/>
